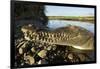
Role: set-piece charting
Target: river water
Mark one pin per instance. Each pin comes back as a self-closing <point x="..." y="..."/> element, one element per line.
<point x="62" y="23"/>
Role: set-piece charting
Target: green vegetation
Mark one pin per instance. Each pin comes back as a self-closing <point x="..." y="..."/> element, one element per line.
<point x="73" y="18"/>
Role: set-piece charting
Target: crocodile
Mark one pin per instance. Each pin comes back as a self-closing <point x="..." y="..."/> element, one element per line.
<point x="74" y="36"/>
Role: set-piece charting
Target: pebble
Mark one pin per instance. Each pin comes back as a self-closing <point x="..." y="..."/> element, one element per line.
<point x="49" y="48"/>
<point x="24" y="45"/>
<point x="33" y="49"/>
<point x="30" y="60"/>
<point x="40" y="45"/>
<point x="42" y="53"/>
<point x="82" y="57"/>
<point x="43" y="61"/>
<point x="70" y="56"/>
<point x="20" y="51"/>
<point x="45" y="47"/>
<point x="54" y="47"/>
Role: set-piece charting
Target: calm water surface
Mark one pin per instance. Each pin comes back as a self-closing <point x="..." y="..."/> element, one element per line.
<point x="62" y="23"/>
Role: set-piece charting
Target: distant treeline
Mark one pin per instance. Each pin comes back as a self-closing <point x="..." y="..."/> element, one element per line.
<point x="73" y="18"/>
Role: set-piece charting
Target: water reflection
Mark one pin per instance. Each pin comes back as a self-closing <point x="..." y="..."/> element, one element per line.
<point x="62" y="23"/>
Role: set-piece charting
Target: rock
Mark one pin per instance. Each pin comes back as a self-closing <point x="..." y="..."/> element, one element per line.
<point x="66" y="51"/>
<point x="19" y="44"/>
<point x="82" y="57"/>
<point x="43" y="61"/>
<point x="22" y="64"/>
<point x="42" y="53"/>
<point x="25" y="44"/>
<point x="30" y="60"/>
<point x="33" y="49"/>
<point x="49" y="48"/>
<point x="58" y="51"/>
<point x="55" y="54"/>
<point x="54" y="47"/>
<point x="20" y="51"/>
<point x="45" y="47"/>
<point x="40" y="62"/>
<point x="70" y="56"/>
<point x="40" y="45"/>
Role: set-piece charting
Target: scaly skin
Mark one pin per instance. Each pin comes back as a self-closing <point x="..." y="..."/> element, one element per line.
<point x="74" y="36"/>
